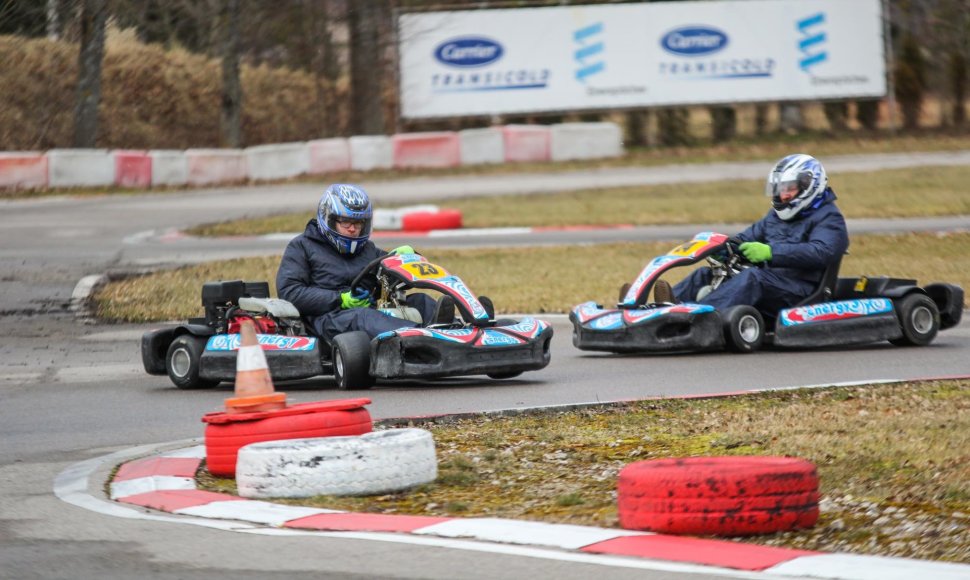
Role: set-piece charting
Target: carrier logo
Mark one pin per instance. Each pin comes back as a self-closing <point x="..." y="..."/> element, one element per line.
<point x="812" y="40"/>
<point x="470" y="51"/>
<point x="694" y="41"/>
<point x="590" y="52"/>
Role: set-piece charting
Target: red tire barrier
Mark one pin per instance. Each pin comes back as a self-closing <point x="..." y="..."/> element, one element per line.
<point x="423" y="221"/>
<point x="727" y="496"/>
<point x="226" y="433"/>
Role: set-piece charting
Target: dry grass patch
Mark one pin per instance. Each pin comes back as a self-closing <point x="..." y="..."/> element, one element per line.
<point x="893" y="460"/>
<point x="535" y="280"/>
<point x="923" y="191"/>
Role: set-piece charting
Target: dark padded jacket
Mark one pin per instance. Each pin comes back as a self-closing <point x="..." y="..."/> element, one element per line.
<point x="312" y="274"/>
<point x="803" y="247"/>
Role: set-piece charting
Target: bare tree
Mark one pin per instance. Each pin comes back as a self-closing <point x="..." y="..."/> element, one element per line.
<point x="232" y="94"/>
<point x="366" y="94"/>
<point x="94" y="14"/>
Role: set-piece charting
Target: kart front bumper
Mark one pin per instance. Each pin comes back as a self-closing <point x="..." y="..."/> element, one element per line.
<point x="428" y="353"/>
<point x="665" y="328"/>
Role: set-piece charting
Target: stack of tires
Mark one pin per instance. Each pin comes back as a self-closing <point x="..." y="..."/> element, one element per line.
<point x="723" y="496"/>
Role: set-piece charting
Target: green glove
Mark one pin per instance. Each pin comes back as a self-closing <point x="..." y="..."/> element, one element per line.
<point x="348" y="301"/>
<point x="402" y="250"/>
<point x="756" y="252"/>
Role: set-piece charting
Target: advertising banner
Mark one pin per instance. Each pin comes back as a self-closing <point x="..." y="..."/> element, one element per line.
<point x="486" y="62"/>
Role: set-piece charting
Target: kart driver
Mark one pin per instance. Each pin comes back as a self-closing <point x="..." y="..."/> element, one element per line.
<point x="795" y="242"/>
<point x="318" y="266"/>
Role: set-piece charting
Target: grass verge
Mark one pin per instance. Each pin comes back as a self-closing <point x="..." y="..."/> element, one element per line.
<point x="882" y="194"/>
<point x="893" y="461"/>
<point x="536" y="280"/>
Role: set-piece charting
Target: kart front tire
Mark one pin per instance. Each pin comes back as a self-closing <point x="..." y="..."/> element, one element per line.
<point x="183" y="361"/>
<point x="919" y="319"/>
<point x="744" y="329"/>
<point x="351" y="361"/>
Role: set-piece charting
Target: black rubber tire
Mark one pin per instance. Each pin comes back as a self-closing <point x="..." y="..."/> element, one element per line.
<point x="744" y="329"/>
<point x="183" y="361"/>
<point x="919" y="319"/>
<point x="351" y="361"/>
<point x="509" y="375"/>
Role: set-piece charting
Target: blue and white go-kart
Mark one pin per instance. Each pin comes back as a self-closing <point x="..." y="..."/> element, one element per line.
<point x="841" y="311"/>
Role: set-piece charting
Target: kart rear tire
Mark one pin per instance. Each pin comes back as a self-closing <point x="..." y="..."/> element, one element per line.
<point x="183" y="361"/>
<point x="351" y="361"/>
<point x="509" y="375"/>
<point x="744" y="329"/>
<point x="919" y="319"/>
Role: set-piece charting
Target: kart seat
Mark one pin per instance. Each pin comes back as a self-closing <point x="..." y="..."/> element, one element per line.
<point x="826" y="288"/>
<point x="275" y="306"/>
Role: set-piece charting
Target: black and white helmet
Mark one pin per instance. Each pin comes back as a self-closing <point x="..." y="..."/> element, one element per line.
<point x="801" y="174"/>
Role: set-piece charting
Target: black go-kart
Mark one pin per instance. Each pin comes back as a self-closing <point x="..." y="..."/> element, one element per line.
<point x="201" y="352"/>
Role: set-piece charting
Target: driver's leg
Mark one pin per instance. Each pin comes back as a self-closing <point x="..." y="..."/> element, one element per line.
<point x="371" y="321"/>
<point x="686" y="290"/>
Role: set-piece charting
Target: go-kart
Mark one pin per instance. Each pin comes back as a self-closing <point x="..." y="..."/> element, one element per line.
<point x="202" y="352"/>
<point x="841" y="311"/>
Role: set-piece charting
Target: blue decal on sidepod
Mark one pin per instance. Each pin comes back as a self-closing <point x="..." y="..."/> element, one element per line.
<point x="694" y="41"/>
<point x="468" y="51"/>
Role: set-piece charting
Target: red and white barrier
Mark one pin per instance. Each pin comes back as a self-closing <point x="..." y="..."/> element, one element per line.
<point x="432" y="149"/>
<point x="328" y="155"/>
<point x="416" y="218"/>
<point x="280" y="161"/>
<point x="371" y="152"/>
<point x="133" y="169"/>
<point x="169" y="167"/>
<point x="23" y="170"/>
<point x="586" y="141"/>
<point x="526" y="143"/>
<point x="80" y="168"/>
<point x="207" y="166"/>
<point x="479" y="146"/>
<point x="140" y="169"/>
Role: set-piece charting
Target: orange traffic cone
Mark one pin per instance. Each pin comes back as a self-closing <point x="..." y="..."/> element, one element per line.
<point x="254" y="386"/>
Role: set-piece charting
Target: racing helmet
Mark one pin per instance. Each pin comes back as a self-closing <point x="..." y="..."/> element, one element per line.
<point x="345" y="201"/>
<point x="800" y="173"/>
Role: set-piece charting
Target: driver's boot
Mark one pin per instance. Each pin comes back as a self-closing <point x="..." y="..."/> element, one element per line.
<point x="663" y="293"/>
<point x="444" y="312"/>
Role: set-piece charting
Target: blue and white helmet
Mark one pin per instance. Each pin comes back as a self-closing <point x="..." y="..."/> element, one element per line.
<point x="345" y="201"/>
<point x="801" y="173"/>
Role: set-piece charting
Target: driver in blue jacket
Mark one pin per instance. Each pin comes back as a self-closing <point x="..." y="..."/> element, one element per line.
<point x="795" y="242"/>
<point x="319" y="265"/>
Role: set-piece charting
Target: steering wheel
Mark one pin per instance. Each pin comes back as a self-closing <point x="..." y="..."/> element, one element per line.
<point x="367" y="278"/>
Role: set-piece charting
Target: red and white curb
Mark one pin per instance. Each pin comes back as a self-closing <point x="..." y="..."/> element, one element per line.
<point x="165" y="481"/>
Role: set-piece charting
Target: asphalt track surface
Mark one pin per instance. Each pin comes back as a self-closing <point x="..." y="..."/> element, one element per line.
<point x="72" y="390"/>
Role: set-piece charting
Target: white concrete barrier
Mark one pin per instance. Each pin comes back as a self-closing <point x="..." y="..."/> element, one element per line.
<point x="586" y="141"/>
<point x="480" y="146"/>
<point x="526" y="142"/>
<point x="169" y="167"/>
<point x="370" y="152"/>
<point x="23" y="170"/>
<point x="431" y="149"/>
<point x="280" y="161"/>
<point x="329" y="155"/>
<point x="207" y="166"/>
<point x="132" y="169"/>
<point x="80" y="167"/>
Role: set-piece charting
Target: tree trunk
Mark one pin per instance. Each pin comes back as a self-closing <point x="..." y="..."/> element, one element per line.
<point x="94" y="14"/>
<point x="725" y="123"/>
<point x="366" y="97"/>
<point x="836" y="113"/>
<point x="232" y="95"/>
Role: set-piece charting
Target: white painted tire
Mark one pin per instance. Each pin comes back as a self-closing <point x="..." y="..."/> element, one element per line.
<point x="372" y="463"/>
